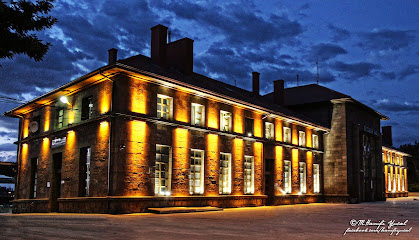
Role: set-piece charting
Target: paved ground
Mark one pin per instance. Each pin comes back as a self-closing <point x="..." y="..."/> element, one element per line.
<point x="309" y="221"/>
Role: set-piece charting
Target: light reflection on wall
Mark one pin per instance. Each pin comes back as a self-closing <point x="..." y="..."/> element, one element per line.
<point x="47" y="117"/>
<point x="71" y="116"/>
<point x="237" y="171"/>
<point x="238" y="120"/>
<point x="213" y="114"/>
<point x="258" y="124"/>
<point x="278" y="182"/>
<point x="180" y="171"/>
<point x="211" y="166"/>
<point x="258" y="158"/>
<point x="278" y="130"/>
<point x="25" y="127"/>
<point x="182" y="107"/>
<point x="309" y="138"/>
<point x="294" y="134"/>
<point x="294" y="176"/>
<point x="105" y="95"/>
<point x="136" y="178"/>
<point x="309" y="179"/>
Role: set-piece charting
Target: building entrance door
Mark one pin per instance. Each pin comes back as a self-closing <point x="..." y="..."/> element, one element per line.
<point x="269" y="180"/>
<point x="55" y="190"/>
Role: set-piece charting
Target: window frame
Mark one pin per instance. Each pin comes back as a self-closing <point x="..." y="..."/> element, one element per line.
<point x="160" y="113"/>
<point x="85" y="162"/>
<point x="249" y="126"/>
<point x="287" y="176"/>
<point x="251" y="188"/>
<point x="34" y="178"/>
<point x="86" y="110"/>
<point x="192" y="179"/>
<point x="287" y="136"/>
<point x="222" y="119"/>
<point x="271" y="135"/>
<point x="59" y="118"/>
<point x="316" y="178"/>
<point x="315" y="141"/>
<point x="193" y="114"/>
<point x="303" y="177"/>
<point x="221" y="175"/>
<point x="168" y="179"/>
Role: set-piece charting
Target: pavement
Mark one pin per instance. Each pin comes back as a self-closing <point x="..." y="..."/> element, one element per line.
<point x="303" y="221"/>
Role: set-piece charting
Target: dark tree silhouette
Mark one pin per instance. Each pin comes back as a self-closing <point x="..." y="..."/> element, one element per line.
<point x="18" y="21"/>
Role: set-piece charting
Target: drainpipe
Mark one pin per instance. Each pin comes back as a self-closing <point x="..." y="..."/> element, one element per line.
<point x="18" y="162"/>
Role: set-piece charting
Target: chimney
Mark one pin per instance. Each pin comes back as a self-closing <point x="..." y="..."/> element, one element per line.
<point x="158" y="44"/>
<point x="255" y="83"/>
<point x="387" y="136"/>
<point x="279" y="92"/>
<point x="112" y="56"/>
<point x="180" y="55"/>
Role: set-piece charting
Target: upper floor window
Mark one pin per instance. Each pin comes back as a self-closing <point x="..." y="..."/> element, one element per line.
<point x="315" y="141"/>
<point x="301" y="138"/>
<point x="225" y="121"/>
<point x="86" y="108"/>
<point x="388" y="157"/>
<point x="397" y="160"/>
<point x="197" y="114"/>
<point x="225" y="173"/>
<point x="269" y="130"/>
<point x="287" y="134"/>
<point x="59" y="118"/>
<point x="249" y="126"/>
<point x="383" y="157"/>
<point x="196" y="181"/>
<point x="164" y="107"/>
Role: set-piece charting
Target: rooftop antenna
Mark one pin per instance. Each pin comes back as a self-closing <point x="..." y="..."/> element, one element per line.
<point x="169" y="34"/>
<point x="235" y="84"/>
<point x="317" y="66"/>
<point x="297" y="81"/>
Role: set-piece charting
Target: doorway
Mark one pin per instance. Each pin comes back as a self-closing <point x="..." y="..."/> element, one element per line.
<point x="55" y="191"/>
<point x="269" y="180"/>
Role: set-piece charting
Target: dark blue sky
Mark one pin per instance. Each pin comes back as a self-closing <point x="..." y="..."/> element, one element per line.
<point x="366" y="49"/>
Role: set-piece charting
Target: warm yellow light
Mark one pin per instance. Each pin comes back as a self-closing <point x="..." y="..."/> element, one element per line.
<point x="25" y="128"/>
<point x="294" y="134"/>
<point x="139" y="95"/>
<point x="309" y="164"/>
<point x="24" y="155"/>
<point x="213" y="114"/>
<point x="64" y="99"/>
<point x="278" y="169"/>
<point x="258" y="124"/>
<point x="45" y="139"/>
<point x="258" y="158"/>
<point x="309" y="138"/>
<point x="180" y="161"/>
<point x="47" y="117"/>
<point x="238" y="120"/>
<point x="211" y="167"/>
<point x="104" y="123"/>
<point x="294" y="174"/>
<point x="71" y="131"/>
<point x="239" y="164"/>
<point x="278" y="130"/>
<point x="71" y="116"/>
<point x="182" y="107"/>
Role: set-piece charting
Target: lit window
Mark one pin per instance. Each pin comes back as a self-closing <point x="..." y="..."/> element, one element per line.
<point x="388" y="157"/>
<point x="164" y="106"/>
<point x="389" y="181"/>
<point x="249" y="175"/>
<point x="163" y="171"/>
<point x="86" y="108"/>
<point x="198" y="115"/>
<point x="34" y="177"/>
<point x="59" y="118"/>
<point x="84" y="168"/>
<point x="249" y="127"/>
<point x="303" y="174"/>
<point x="394" y="180"/>
<point x="287" y="176"/>
<point x="269" y="130"/>
<point x="401" y="160"/>
<point x="402" y="179"/>
<point x="392" y="159"/>
<point x="316" y="178"/>
<point x="315" y="140"/>
<point x="301" y="138"/>
<point x="196" y="183"/>
<point x="225" y="173"/>
<point x="225" y="121"/>
<point x="287" y="134"/>
<point x="383" y="157"/>
<point x="397" y="160"/>
<point x="398" y="179"/>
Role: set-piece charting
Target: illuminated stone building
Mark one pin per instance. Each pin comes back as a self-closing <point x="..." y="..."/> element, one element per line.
<point x="395" y="167"/>
<point x="149" y="132"/>
<point x="353" y="170"/>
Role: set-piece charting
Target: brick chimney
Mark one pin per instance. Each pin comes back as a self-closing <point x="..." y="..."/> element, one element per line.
<point x="159" y="44"/>
<point x="255" y="83"/>
<point x="180" y="55"/>
<point x="387" y="136"/>
<point x="279" y="92"/>
<point x="113" y="53"/>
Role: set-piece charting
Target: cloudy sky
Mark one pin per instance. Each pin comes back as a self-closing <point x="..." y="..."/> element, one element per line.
<point x="366" y="49"/>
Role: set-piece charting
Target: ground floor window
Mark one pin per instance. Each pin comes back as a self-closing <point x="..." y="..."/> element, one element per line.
<point x="402" y="179"/>
<point x="316" y="178"/>
<point x="84" y="171"/>
<point x="394" y="180"/>
<point x="249" y="173"/>
<point x="162" y="171"/>
<point x="196" y="183"/>
<point x="389" y="181"/>
<point x="287" y="176"/>
<point x="225" y="173"/>
<point x="34" y="177"/>
<point x="303" y="174"/>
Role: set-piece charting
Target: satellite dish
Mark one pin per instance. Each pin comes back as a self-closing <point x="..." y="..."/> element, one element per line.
<point x="33" y="126"/>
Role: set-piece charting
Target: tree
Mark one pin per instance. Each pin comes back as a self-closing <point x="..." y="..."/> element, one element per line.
<point x="18" y="21"/>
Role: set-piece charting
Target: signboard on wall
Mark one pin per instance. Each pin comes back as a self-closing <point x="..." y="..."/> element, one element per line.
<point x="58" y="142"/>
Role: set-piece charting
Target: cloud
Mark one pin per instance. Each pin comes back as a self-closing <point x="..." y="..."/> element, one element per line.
<point x="339" y="34"/>
<point x="391" y="106"/>
<point x="386" y="39"/>
<point x="7" y="156"/>
<point x="408" y="71"/>
<point x="326" y="51"/>
<point x="353" y="71"/>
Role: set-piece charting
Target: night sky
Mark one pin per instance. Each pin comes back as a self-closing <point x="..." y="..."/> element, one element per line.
<point x="366" y="49"/>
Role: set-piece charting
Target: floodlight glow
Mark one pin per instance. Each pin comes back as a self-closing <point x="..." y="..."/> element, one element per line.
<point x="64" y="99"/>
